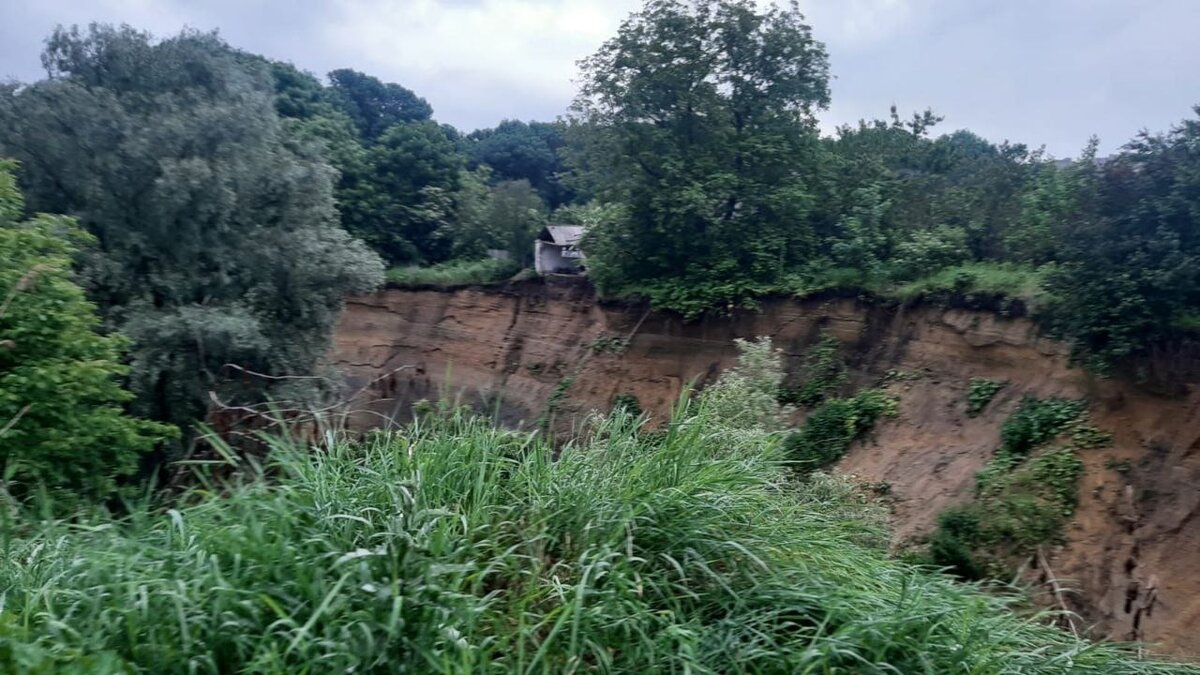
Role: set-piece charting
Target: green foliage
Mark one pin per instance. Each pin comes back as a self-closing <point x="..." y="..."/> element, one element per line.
<point x="615" y="344"/>
<point x="745" y="397"/>
<point x="515" y="216"/>
<point x="1027" y="506"/>
<point x="1022" y="500"/>
<point x="950" y="546"/>
<point x="402" y="202"/>
<point x="1088" y="437"/>
<point x="454" y="273"/>
<point x="1019" y="507"/>
<point x="454" y="547"/>
<point x="1036" y="421"/>
<point x="699" y="120"/>
<point x="216" y="236"/>
<point x="1130" y="258"/>
<point x="981" y="393"/>
<point x="823" y="374"/>
<point x="832" y="427"/>
<point x="375" y="106"/>
<point x="62" y="423"/>
<point x="531" y="152"/>
<point x="628" y="403"/>
<point x="992" y="279"/>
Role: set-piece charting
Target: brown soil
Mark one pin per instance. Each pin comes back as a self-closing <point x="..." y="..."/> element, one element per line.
<point x="1131" y="559"/>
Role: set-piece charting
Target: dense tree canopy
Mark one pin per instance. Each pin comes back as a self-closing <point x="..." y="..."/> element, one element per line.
<point x="217" y="238"/>
<point x="699" y="117"/>
<point x="62" y="423"/>
<point x="375" y="106"/>
<point x="531" y="152"/>
<point x="1130" y="247"/>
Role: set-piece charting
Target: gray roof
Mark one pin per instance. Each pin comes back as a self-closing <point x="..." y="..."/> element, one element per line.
<point x="563" y="235"/>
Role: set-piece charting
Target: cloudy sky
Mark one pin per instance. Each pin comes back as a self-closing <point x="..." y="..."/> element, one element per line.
<point x="1044" y="72"/>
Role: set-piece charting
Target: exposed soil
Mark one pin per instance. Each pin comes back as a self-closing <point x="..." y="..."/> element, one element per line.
<point x="1131" y="564"/>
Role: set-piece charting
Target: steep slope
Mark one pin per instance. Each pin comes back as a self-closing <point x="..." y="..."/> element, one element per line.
<point x="549" y="351"/>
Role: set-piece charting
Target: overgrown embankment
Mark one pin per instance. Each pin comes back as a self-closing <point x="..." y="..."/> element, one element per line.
<point x="1128" y="549"/>
<point x="453" y="546"/>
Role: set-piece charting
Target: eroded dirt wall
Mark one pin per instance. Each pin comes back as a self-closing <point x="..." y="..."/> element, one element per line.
<point x="1133" y="550"/>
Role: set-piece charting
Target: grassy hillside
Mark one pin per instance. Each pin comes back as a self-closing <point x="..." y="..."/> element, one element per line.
<point x="456" y="547"/>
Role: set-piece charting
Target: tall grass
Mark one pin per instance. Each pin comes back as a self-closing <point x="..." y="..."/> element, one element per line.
<point x="988" y="278"/>
<point x="454" y="273"/>
<point x="454" y="547"/>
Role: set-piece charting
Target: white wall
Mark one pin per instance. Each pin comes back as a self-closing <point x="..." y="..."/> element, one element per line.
<point x="548" y="259"/>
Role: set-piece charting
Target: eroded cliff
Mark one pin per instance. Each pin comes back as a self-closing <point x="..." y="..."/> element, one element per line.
<point x="537" y="348"/>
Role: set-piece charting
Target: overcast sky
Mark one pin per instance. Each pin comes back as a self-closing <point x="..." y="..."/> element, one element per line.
<point x="1043" y="72"/>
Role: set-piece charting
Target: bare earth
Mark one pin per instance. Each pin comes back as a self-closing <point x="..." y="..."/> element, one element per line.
<point x="1132" y="559"/>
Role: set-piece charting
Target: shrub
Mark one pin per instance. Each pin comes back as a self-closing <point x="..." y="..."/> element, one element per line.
<point x="950" y="546"/>
<point x="824" y="372"/>
<point x="981" y="394"/>
<point x="1036" y="421"/>
<point x="627" y="402"/>
<point x="746" y="396"/>
<point x="1028" y="505"/>
<point x="833" y="426"/>
<point x="1089" y="437"/>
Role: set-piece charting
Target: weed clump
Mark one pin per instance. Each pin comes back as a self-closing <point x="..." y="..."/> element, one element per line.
<point x="981" y="393"/>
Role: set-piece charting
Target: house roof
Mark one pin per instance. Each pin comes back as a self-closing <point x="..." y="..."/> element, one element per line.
<point x="563" y="235"/>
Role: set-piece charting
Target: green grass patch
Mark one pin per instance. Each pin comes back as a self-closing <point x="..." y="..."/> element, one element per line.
<point x="980" y="278"/>
<point x="454" y="273"/>
<point x="454" y="547"/>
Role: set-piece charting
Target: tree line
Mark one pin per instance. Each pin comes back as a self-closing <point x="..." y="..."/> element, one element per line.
<point x="218" y="205"/>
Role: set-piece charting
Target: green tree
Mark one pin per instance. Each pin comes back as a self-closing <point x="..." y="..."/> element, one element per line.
<point x="217" y="238"/>
<point x="699" y="119"/>
<point x="373" y="105"/>
<point x="515" y="216"/>
<point x="1130" y="252"/>
<point x="402" y="201"/>
<point x="507" y="216"/>
<point x="532" y="152"/>
<point x="62" y="421"/>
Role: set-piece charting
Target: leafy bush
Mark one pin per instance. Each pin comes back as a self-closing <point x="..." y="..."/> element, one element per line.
<point x="1088" y="437"/>
<point x="824" y="372"/>
<point x="1036" y="421"/>
<point x="455" y="547"/>
<point x="931" y="249"/>
<point x="62" y="423"/>
<point x="454" y="273"/>
<point x="981" y="393"/>
<point x="833" y="426"/>
<point x="745" y="397"/>
<point x="950" y="546"/>
<point x="1028" y="506"/>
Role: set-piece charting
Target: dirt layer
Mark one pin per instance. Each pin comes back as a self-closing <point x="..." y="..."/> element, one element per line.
<point x="1131" y="564"/>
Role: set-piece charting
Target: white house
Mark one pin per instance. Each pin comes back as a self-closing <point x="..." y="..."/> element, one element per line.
<point x="556" y="250"/>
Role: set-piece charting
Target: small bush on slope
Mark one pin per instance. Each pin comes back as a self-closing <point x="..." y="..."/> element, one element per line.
<point x="454" y="547"/>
